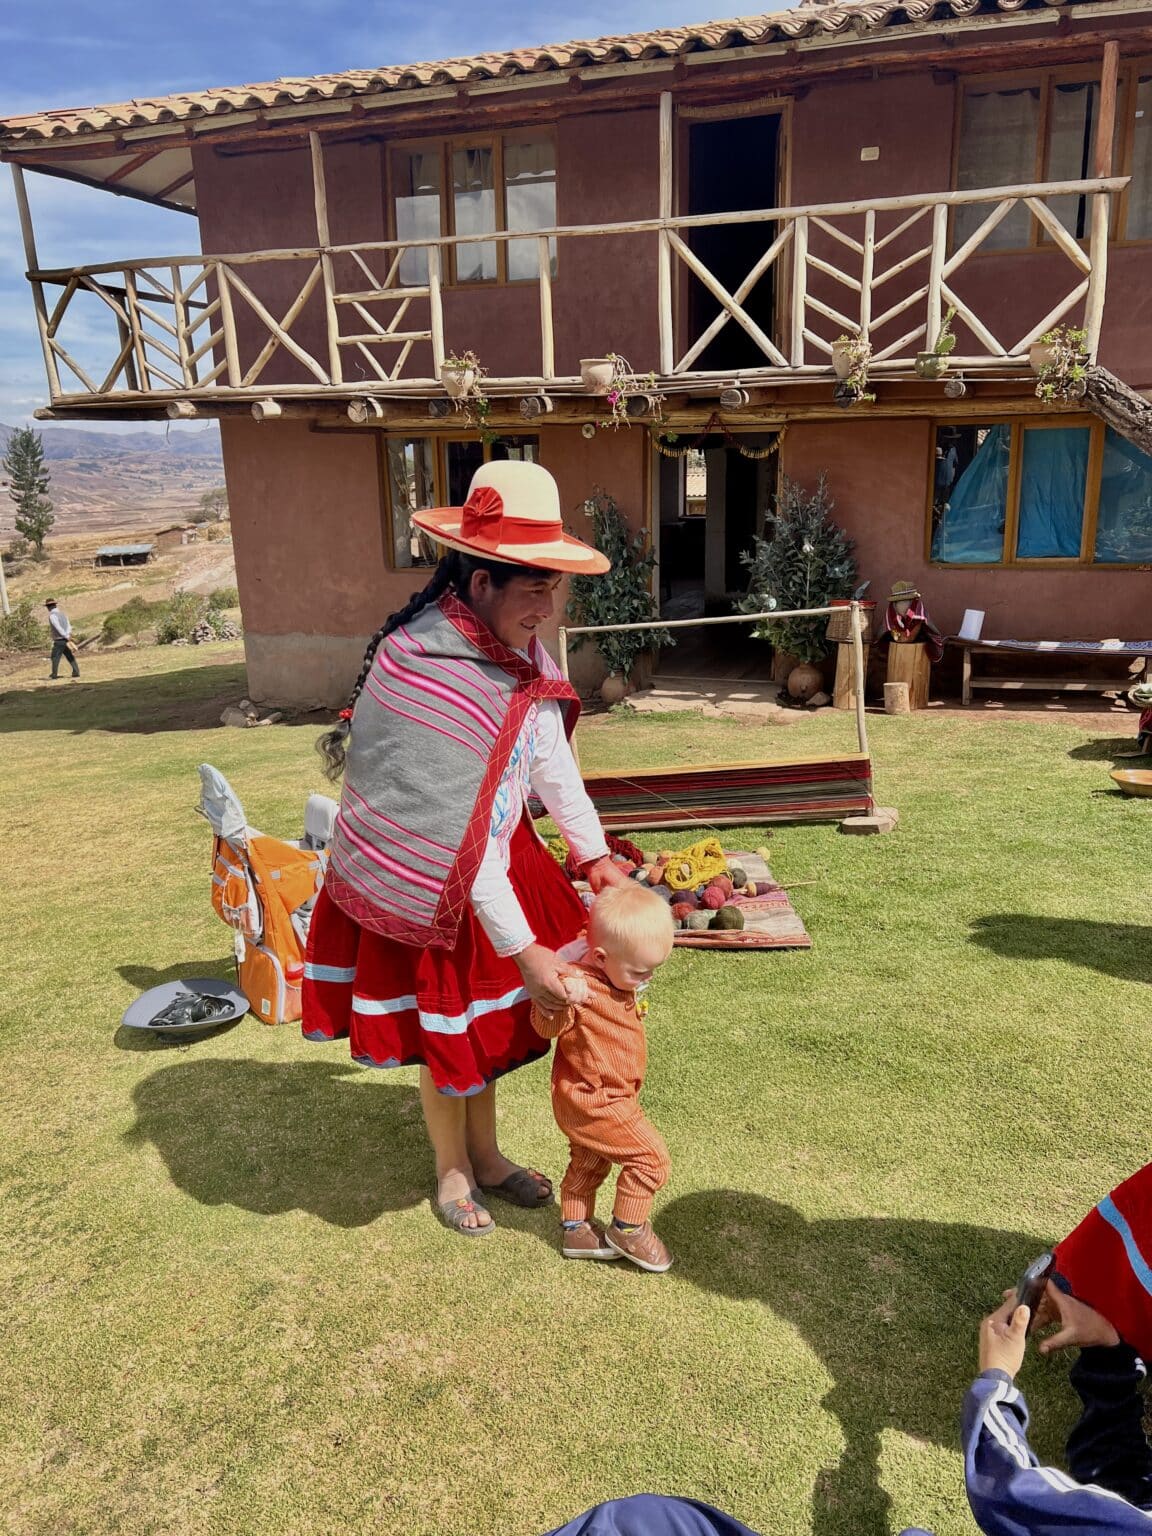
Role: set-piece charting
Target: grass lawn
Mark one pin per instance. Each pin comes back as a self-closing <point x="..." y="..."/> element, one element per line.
<point x="229" y="1310"/>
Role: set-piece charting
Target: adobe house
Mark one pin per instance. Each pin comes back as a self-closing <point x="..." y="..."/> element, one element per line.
<point x="717" y="204"/>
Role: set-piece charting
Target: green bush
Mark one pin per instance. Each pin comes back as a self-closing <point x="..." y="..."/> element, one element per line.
<point x="223" y="597"/>
<point x="21" y="630"/>
<point x="132" y="618"/>
<point x="178" y="617"/>
<point x="623" y="595"/>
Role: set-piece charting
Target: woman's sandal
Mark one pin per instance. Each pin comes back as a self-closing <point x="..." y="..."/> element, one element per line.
<point x="524" y="1187"/>
<point x="454" y="1214"/>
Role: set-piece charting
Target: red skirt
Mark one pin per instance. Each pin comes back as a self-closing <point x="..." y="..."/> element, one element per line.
<point x="463" y="1013"/>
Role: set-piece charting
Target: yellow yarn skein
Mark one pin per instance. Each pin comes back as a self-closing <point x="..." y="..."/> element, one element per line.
<point x="696" y="865"/>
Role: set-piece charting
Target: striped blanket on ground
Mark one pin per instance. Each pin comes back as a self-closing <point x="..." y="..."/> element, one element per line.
<point x="432" y="732"/>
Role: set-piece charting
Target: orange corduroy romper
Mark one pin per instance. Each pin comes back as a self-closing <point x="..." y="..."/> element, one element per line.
<point x="597" y="1074"/>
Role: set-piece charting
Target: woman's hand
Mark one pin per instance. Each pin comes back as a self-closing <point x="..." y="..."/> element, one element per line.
<point x="603" y="872"/>
<point x="543" y="972"/>
<point x="1003" y="1336"/>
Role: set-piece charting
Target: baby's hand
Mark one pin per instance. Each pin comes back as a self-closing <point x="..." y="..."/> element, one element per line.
<point x="575" y="990"/>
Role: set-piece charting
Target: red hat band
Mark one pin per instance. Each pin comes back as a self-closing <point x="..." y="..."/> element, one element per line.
<point x="485" y="521"/>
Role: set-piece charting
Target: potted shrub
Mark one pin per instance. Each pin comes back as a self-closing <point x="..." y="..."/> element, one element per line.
<point x="934" y="364"/>
<point x="628" y="394"/>
<point x="803" y="560"/>
<point x="1060" y="361"/>
<point x="597" y="373"/>
<point x="622" y="595"/>
<point x="850" y="358"/>
<point x="460" y="373"/>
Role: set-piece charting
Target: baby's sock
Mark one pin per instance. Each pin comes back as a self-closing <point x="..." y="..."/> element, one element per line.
<point x="570" y="1226"/>
<point x="626" y="1226"/>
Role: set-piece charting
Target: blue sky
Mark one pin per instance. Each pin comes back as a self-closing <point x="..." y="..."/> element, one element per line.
<point x="74" y="54"/>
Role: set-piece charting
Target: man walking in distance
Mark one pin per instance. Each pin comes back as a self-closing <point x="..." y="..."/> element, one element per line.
<point x="61" y="635"/>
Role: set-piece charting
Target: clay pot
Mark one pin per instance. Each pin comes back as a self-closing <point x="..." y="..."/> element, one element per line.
<point x="1041" y="354"/>
<point x="931" y="365"/>
<point x="843" y="361"/>
<point x="804" y="680"/>
<point x="614" y="689"/>
<point x="596" y="374"/>
<point x="459" y="382"/>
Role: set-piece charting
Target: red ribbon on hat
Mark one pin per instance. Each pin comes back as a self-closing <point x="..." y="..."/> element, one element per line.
<point x="485" y="522"/>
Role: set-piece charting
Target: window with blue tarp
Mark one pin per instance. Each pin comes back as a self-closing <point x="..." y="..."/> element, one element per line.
<point x="1053" y="479"/>
<point x="1124" y="520"/>
<point x="1005" y="492"/>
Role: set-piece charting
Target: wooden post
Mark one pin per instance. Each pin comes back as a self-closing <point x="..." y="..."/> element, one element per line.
<point x="436" y="309"/>
<point x="858" y="670"/>
<point x="664" y="251"/>
<point x="867" y="269"/>
<point x="228" y="325"/>
<point x="966" y="677"/>
<point x="799" y="289"/>
<point x="908" y="663"/>
<point x="1101" y="201"/>
<point x="320" y="194"/>
<point x="37" y="287"/>
<point x="896" y="699"/>
<point x="547" y="339"/>
<point x="936" y="274"/>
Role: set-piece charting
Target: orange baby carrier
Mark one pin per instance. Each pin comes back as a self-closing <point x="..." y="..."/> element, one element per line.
<point x="264" y="888"/>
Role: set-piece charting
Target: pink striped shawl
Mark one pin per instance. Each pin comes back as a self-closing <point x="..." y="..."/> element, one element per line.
<point x="432" y="732"/>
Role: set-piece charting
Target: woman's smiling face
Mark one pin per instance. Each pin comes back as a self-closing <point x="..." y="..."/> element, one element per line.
<point x="516" y="610"/>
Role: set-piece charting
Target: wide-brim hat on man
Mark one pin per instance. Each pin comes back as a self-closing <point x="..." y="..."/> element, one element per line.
<point x="904" y="592"/>
<point x="513" y="514"/>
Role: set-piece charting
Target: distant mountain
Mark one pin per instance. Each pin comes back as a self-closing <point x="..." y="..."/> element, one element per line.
<point x="106" y="481"/>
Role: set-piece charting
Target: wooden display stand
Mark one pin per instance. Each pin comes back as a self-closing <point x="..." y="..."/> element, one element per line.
<point x="908" y="663"/>
<point x="844" y="688"/>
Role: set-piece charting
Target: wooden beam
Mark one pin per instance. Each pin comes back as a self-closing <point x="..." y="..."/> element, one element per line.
<point x="38" y="303"/>
<point x="1101" y="202"/>
<point x="129" y="166"/>
<point x="664" y="247"/>
<point x="725" y="299"/>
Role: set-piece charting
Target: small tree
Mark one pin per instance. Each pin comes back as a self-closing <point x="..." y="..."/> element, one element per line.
<point x="804" y="560"/>
<point x="28" y="486"/>
<point x="623" y="595"/>
<point x="213" y="506"/>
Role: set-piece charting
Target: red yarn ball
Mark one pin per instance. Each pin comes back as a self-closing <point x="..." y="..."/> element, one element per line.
<point x="681" y="909"/>
<point x="713" y="898"/>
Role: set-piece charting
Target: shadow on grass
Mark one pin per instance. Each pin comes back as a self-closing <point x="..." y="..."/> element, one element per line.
<point x="1114" y="949"/>
<point x="276" y="1137"/>
<point x="889" y="1306"/>
<point x="1110" y="749"/>
<point x="187" y="699"/>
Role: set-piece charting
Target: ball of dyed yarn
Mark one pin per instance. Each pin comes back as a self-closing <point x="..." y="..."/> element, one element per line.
<point x="727" y="917"/>
<point x="689" y="898"/>
<point x="750" y="889"/>
<point x="656" y="875"/>
<point x="737" y="876"/>
<point x="721" y="883"/>
<point x="664" y="855"/>
<point x="713" y="899"/>
<point x="697" y="921"/>
<point x="680" y="910"/>
<point x="665" y="893"/>
<point x="639" y="874"/>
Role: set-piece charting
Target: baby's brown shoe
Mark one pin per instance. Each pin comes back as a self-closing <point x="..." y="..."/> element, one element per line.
<point x="587" y="1242"/>
<point x="641" y="1245"/>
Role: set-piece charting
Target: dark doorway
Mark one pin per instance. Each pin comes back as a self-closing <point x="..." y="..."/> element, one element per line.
<point x="732" y="167"/>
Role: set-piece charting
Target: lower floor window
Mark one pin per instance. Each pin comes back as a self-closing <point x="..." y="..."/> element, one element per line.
<point x="1005" y="493"/>
<point x="424" y="472"/>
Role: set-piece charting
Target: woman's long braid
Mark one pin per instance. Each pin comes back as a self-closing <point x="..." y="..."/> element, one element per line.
<point x="332" y="746"/>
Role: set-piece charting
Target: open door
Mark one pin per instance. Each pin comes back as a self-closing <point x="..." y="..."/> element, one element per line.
<point x="732" y="167"/>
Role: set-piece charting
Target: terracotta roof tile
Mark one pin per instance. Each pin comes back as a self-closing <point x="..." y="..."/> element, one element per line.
<point x="811" y="18"/>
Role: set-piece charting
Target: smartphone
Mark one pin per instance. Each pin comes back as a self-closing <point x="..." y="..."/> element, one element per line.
<point x="1031" y="1285"/>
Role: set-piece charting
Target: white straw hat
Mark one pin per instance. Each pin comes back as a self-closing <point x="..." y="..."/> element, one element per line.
<point x="513" y="514"/>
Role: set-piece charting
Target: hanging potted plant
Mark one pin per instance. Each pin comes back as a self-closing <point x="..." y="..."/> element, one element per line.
<point x="597" y="373"/>
<point x="623" y="595"/>
<point x="628" y="394"/>
<point x="934" y="364"/>
<point x="850" y="358"/>
<point x="1060" y="361"/>
<point x="460" y="373"/>
<point x="804" y="560"/>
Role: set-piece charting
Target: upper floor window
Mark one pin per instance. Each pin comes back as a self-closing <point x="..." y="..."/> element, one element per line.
<point x="1011" y="493"/>
<point x="1043" y="128"/>
<point x="475" y="187"/>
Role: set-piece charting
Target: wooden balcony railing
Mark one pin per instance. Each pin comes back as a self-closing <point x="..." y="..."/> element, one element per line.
<point x="197" y="328"/>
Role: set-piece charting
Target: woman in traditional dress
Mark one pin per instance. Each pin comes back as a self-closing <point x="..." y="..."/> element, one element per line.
<point x="442" y="911"/>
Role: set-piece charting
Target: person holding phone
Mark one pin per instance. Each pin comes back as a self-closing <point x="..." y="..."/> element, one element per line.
<point x="1108" y="1486"/>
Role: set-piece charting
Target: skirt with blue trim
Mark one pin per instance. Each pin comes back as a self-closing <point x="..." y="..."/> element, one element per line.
<point x="463" y="1013"/>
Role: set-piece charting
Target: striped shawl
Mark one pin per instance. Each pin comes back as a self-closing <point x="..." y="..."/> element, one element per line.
<point x="432" y="732"/>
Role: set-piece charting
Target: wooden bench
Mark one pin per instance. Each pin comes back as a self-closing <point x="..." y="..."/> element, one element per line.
<point x="1104" y="650"/>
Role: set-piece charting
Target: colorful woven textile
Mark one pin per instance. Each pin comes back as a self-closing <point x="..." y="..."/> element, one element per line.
<point x="432" y="732"/>
<point x="734" y="794"/>
<point x="770" y="920"/>
<point x="1066" y="647"/>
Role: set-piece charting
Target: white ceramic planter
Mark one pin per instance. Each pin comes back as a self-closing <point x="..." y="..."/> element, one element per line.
<point x="842" y="363"/>
<point x="596" y="374"/>
<point x="459" y="382"/>
<point x="1041" y="354"/>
